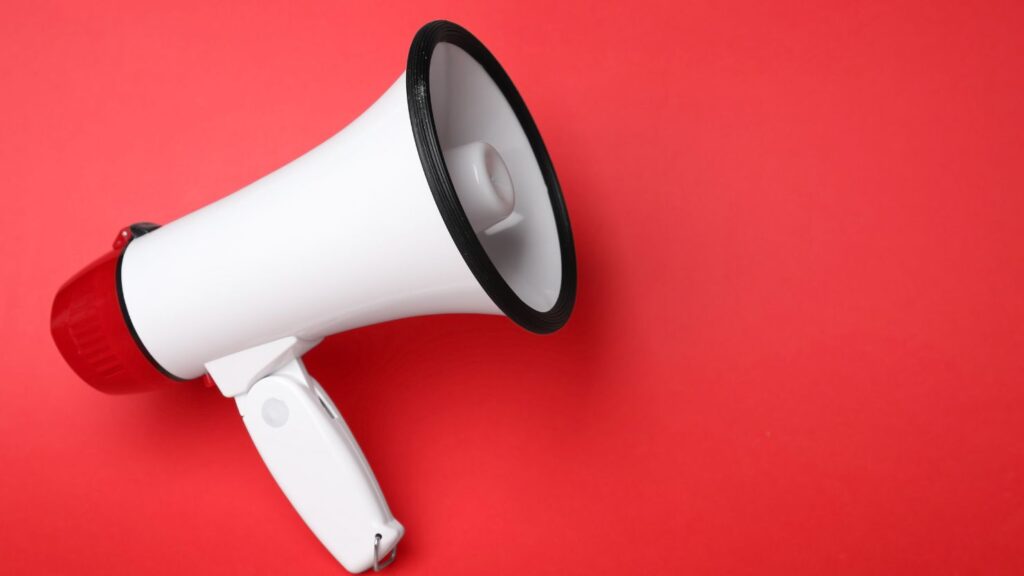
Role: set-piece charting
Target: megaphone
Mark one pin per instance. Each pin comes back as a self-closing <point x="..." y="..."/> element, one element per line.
<point x="440" y="198"/>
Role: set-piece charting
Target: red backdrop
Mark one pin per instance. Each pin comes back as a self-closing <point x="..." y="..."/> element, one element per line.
<point x="797" y="347"/>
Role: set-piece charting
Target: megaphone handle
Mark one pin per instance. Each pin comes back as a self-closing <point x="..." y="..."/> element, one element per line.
<point x="316" y="461"/>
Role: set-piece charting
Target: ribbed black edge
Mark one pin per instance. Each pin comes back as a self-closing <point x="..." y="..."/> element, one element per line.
<point x="136" y="231"/>
<point x="425" y="133"/>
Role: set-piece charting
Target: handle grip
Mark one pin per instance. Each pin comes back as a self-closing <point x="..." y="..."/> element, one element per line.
<point x="316" y="461"/>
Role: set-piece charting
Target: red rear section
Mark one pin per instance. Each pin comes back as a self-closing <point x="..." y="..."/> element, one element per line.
<point x="91" y="331"/>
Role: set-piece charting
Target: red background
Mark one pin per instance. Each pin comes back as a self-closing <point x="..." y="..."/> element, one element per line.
<point x="797" y="347"/>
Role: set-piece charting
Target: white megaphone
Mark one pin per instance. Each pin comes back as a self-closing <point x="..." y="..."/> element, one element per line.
<point x="440" y="198"/>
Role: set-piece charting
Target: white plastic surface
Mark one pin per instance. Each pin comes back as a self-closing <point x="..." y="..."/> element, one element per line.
<point x="469" y="107"/>
<point x="236" y="373"/>
<point x="482" y="183"/>
<point x="312" y="455"/>
<point x="346" y="235"/>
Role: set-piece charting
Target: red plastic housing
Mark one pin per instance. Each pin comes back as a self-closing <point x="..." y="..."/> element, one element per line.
<point x="92" y="334"/>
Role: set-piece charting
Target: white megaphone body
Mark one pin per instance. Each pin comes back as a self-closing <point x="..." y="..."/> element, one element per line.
<point x="440" y="198"/>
